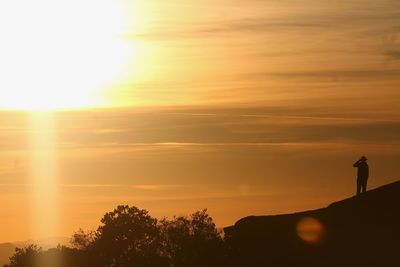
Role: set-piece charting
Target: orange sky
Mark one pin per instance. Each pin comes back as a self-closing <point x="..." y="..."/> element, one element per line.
<point x="241" y="107"/>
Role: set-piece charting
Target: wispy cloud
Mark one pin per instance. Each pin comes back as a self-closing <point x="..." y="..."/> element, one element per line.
<point x="143" y="187"/>
<point x="181" y="128"/>
<point x="359" y="74"/>
<point x="393" y="54"/>
<point x="259" y="25"/>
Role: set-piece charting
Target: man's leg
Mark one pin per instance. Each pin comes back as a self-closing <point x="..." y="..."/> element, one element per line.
<point x="364" y="185"/>
<point x="358" y="186"/>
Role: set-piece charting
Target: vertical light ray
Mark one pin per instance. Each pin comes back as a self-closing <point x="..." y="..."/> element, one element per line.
<point x="45" y="199"/>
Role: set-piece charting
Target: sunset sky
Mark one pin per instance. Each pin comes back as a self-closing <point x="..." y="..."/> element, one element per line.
<point x="244" y="107"/>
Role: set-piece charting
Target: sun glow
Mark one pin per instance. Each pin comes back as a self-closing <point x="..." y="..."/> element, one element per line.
<point x="58" y="54"/>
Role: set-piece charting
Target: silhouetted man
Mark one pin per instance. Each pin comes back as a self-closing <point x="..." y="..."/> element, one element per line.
<point x="362" y="174"/>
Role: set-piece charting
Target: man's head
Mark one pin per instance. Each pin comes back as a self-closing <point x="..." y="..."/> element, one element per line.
<point x="363" y="158"/>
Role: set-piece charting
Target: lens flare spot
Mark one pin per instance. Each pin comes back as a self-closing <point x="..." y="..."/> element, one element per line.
<point x="310" y="230"/>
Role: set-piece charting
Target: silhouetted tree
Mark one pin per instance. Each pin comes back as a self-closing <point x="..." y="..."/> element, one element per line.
<point x="34" y="256"/>
<point x="192" y="241"/>
<point x="128" y="236"/>
<point x="83" y="239"/>
<point x="25" y="257"/>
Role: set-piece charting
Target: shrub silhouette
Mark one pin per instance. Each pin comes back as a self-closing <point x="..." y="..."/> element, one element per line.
<point x="129" y="236"/>
<point x="25" y="257"/>
<point x="192" y="241"/>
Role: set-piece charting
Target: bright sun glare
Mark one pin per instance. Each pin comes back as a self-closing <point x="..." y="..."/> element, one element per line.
<point x="57" y="54"/>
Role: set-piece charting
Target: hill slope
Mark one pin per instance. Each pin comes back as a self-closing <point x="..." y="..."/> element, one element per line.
<point x="359" y="231"/>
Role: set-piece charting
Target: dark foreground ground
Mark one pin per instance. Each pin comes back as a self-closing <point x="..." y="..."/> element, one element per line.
<point x="359" y="231"/>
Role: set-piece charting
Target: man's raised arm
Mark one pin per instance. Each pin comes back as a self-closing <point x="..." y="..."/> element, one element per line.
<point x="355" y="165"/>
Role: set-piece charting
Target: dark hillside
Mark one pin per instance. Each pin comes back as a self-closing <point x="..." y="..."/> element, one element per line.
<point x="359" y="231"/>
